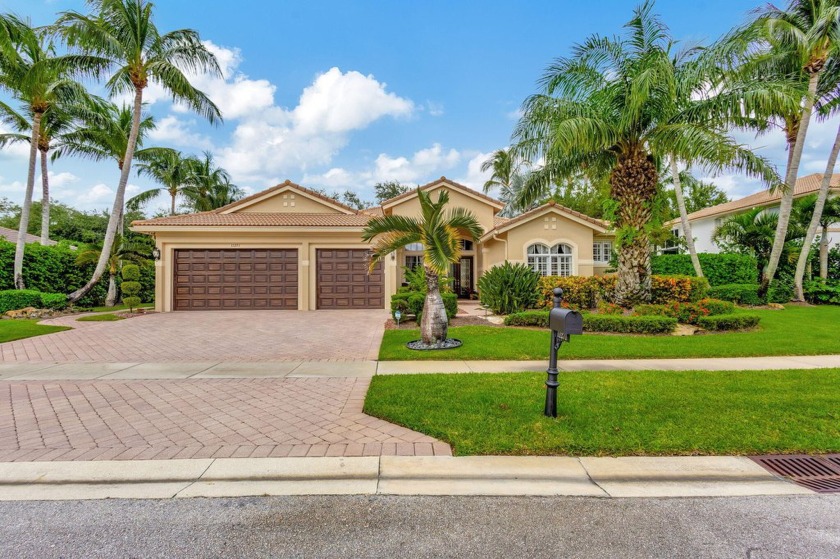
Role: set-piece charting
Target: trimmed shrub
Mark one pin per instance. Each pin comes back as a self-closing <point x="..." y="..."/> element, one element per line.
<point x="820" y="292"/>
<point x="130" y="287"/>
<point x="609" y="308"/>
<point x="729" y="322"/>
<point x="680" y="289"/>
<point x="587" y="292"/>
<point x="741" y="293"/>
<point x="716" y="306"/>
<point x="54" y="301"/>
<point x="14" y="299"/>
<point x="601" y="322"/>
<point x="508" y="288"/>
<point x="781" y="289"/>
<point x="719" y="269"/>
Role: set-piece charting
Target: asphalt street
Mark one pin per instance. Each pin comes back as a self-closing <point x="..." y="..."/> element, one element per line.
<point x="380" y="526"/>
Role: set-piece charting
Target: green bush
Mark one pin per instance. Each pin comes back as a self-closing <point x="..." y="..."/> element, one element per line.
<point x="729" y="322"/>
<point x="14" y="299"/>
<point x="601" y="322"/>
<point x="131" y="272"/>
<point x="781" y="289"/>
<point x="716" y="306"/>
<point x="687" y="313"/>
<point x="54" y="301"/>
<point x="130" y="287"/>
<point x="741" y="293"/>
<point x="719" y="269"/>
<point x="508" y="288"/>
<point x="585" y="292"/>
<point x="821" y="292"/>
<point x="411" y="303"/>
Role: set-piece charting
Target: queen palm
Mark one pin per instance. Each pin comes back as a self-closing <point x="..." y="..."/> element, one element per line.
<point x="169" y="168"/>
<point x="440" y="231"/>
<point x="32" y="72"/>
<point x="617" y="108"/>
<point x="122" y="36"/>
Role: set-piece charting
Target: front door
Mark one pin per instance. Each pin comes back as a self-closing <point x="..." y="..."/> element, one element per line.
<point x="461" y="275"/>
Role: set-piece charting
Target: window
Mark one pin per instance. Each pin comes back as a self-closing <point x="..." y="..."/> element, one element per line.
<point x="602" y="252"/>
<point x="413" y="261"/>
<point x="466" y="245"/>
<point x="554" y="261"/>
<point x="414" y="247"/>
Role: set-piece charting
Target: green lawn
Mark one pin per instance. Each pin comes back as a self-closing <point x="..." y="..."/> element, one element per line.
<point x="108" y="317"/>
<point x="619" y="413"/>
<point x="793" y="331"/>
<point x="117" y="308"/>
<point x="19" y="329"/>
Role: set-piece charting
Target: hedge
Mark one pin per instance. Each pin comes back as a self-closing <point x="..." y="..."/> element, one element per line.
<point x="411" y="303"/>
<point x="719" y="269"/>
<point x="741" y="293"/>
<point x="601" y="322"/>
<point x="687" y="313"/>
<point x="728" y="322"/>
<point x="53" y="269"/>
<point x="14" y="299"/>
<point x="586" y="292"/>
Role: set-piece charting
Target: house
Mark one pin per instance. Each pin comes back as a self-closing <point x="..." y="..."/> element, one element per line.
<point x="11" y="235"/>
<point x="704" y="222"/>
<point x="288" y="247"/>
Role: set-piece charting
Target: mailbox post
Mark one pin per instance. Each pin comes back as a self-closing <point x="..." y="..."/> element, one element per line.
<point x="563" y="323"/>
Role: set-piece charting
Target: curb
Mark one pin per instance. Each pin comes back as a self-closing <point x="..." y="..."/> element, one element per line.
<point x="692" y="476"/>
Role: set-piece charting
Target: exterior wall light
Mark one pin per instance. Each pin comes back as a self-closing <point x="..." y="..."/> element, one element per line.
<point x="156" y="254"/>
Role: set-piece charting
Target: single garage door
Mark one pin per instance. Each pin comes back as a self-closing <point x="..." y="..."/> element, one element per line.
<point x="344" y="283"/>
<point x="240" y="279"/>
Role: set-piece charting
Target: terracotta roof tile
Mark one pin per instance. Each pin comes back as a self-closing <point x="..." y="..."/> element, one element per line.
<point x="448" y="182"/>
<point x="285" y="184"/>
<point x="804" y="186"/>
<point x="498" y="221"/>
<point x="258" y="219"/>
<point x="11" y="235"/>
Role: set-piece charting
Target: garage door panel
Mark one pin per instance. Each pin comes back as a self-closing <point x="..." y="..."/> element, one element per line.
<point x="343" y="281"/>
<point x="236" y="279"/>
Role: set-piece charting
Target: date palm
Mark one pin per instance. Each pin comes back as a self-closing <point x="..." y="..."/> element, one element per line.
<point x="169" y="168"/>
<point x="440" y="231"/>
<point x="123" y="37"/>
<point x="32" y="72"/>
<point x="617" y="108"/>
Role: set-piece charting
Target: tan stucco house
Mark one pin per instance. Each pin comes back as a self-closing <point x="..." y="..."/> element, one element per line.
<point x="288" y="247"/>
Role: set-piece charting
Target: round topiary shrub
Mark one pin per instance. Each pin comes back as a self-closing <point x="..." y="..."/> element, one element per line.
<point x="131" y="286"/>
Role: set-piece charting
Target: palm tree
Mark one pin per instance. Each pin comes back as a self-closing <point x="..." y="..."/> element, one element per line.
<point x="752" y="232"/>
<point x="799" y="41"/>
<point x="121" y="250"/>
<point x="32" y="72"/>
<point x="612" y="110"/>
<point x="507" y="177"/>
<point x="208" y="186"/>
<point x="440" y="230"/>
<point x="168" y="167"/>
<point x="123" y="36"/>
<point x="804" y="212"/>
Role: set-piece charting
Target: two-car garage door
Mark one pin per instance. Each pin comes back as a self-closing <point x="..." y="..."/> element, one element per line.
<point x="239" y="279"/>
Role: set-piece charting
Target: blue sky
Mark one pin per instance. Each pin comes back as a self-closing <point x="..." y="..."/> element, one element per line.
<point x="345" y="94"/>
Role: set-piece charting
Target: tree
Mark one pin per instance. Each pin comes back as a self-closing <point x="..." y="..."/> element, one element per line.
<point x="799" y="41"/>
<point x="169" y="168"/>
<point x="440" y="231"/>
<point x="698" y="195"/>
<point x="208" y="187"/>
<point x="352" y="199"/>
<point x="752" y="232"/>
<point x="388" y="189"/>
<point x="507" y="178"/>
<point x="121" y="250"/>
<point x="122" y="36"/>
<point x="804" y="212"/>
<point x="32" y="72"/>
<point x="611" y="111"/>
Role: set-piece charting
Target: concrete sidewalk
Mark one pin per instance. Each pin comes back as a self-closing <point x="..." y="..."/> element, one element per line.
<point x="393" y="475"/>
<point x="81" y="370"/>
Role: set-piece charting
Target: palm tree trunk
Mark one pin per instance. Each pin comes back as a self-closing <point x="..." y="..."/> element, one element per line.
<point x="686" y="226"/>
<point x="45" y="199"/>
<point x="434" y="326"/>
<point x="111" y="297"/>
<point x="822" y="196"/>
<point x="23" y="227"/>
<point x="824" y="252"/>
<point x="119" y="201"/>
<point x="172" y="205"/>
<point x="790" y="184"/>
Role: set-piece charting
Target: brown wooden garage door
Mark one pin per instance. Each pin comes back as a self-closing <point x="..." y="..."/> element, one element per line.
<point x="344" y="282"/>
<point x="236" y="279"/>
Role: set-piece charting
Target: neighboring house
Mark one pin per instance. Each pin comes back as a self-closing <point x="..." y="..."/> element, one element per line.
<point x="704" y="222"/>
<point x="291" y="248"/>
<point x="11" y="235"/>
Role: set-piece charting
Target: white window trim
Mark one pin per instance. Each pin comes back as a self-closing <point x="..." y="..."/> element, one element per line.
<point x="602" y="260"/>
<point x="573" y="261"/>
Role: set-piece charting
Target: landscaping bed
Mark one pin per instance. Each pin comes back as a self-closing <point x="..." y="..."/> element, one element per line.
<point x="619" y="413"/>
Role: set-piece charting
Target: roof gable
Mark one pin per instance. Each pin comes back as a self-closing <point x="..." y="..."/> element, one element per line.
<point x="548" y="208"/>
<point x="286" y="197"/>
<point x="444" y="182"/>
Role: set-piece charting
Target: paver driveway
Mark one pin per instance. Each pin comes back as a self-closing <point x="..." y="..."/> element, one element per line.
<point x="209" y="336"/>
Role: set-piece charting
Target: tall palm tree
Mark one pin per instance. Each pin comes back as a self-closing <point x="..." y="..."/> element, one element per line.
<point x="122" y="250"/>
<point x="440" y="230"/>
<point x="801" y="41"/>
<point x="32" y="72"/>
<point x="169" y="168"/>
<point x="208" y="186"/>
<point x="122" y="36"/>
<point x="611" y="110"/>
<point x="804" y="212"/>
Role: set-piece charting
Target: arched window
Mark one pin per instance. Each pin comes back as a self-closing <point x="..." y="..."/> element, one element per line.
<point x="554" y="261"/>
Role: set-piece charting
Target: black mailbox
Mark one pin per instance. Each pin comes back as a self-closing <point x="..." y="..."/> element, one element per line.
<point x="566" y="322"/>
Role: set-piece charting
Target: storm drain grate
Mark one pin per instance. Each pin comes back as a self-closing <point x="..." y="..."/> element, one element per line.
<point x="817" y="473"/>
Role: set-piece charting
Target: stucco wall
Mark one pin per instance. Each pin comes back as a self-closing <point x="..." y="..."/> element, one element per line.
<point x="289" y="202"/>
<point x="483" y="212"/>
<point x="550" y="229"/>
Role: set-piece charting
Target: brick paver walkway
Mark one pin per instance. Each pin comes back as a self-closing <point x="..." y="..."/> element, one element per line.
<point x="144" y="420"/>
<point x="209" y="336"/>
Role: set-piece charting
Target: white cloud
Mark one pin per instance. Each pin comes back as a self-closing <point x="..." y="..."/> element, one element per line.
<point x="434" y="109"/>
<point x="475" y="177"/>
<point x="98" y="195"/>
<point x="334" y="178"/>
<point x="18" y="152"/>
<point x="275" y="141"/>
<point x="422" y="165"/>
<point x="172" y="130"/>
